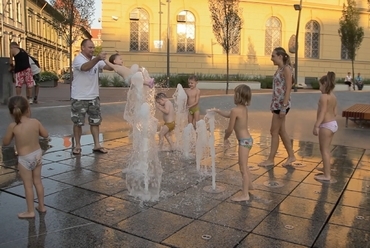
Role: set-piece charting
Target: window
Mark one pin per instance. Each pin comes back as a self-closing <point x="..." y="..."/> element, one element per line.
<point x="30" y="23"/>
<point x="234" y="50"/>
<point x="185" y="32"/>
<point x="19" y="11"/>
<point x="139" y="30"/>
<point x="38" y="31"/>
<point x="44" y="29"/>
<point x="344" y="53"/>
<point x="272" y="35"/>
<point x="10" y="9"/>
<point x="312" y="40"/>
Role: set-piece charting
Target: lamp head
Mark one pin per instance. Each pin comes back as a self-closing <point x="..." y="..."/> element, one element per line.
<point x="297" y="7"/>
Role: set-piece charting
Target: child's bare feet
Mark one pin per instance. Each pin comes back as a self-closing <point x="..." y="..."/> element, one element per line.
<point x="26" y="215"/>
<point x="320" y="168"/>
<point x="289" y="161"/>
<point x="41" y="209"/>
<point x="240" y="198"/>
<point x="266" y="163"/>
<point x="322" y="177"/>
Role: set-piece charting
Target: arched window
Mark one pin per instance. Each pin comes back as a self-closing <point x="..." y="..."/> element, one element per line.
<point x="312" y="40"/>
<point x="139" y="30"/>
<point x="272" y="34"/>
<point x="185" y="32"/>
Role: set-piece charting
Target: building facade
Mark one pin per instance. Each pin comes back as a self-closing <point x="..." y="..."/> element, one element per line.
<point x="12" y="24"/>
<point x="96" y="36"/>
<point x="43" y="40"/>
<point x="138" y="30"/>
<point x="33" y="25"/>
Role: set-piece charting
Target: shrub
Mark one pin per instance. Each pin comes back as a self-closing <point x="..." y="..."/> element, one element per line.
<point x="315" y="85"/>
<point x="117" y="81"/>
<point x="179" y="79"/>
<point x="104" y="81"/>
<point x="66" y="76"/>
<point x="366" y="81"/>
<point x="48" y="76"/>
<point x="339" y="81"/>
<point x="266" y="83"/>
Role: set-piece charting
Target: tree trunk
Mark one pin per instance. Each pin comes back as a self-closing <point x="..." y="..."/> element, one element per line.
<point x="227" y="72"/>
<point x="70" y="59"/>
<point x="353" y="74"/>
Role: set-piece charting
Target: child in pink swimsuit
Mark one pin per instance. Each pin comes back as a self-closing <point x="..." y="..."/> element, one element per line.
<point x="26" y="132"/>
<point x="326" y="125"/>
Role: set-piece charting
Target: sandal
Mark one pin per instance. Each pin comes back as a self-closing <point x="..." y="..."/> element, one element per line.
<point x="100" y="150"/>
<point x="76" y="151"/>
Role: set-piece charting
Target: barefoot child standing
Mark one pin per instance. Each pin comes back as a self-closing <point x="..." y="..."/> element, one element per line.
<point x="193" y="94"/>
<point x="26" y="132"/>
<point x="239" y="123"/>
<point x="166" y="107"/>
<point x="326" y="125"/>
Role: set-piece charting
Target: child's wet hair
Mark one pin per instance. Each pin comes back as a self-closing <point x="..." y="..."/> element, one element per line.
<point x="242" y="94"/>
<point x="113" y="57"/>
<point x="193" y="77"/>
<point x="18" y="106"/>
<point x="328" y="81"/>
<point x="160" y="95"/>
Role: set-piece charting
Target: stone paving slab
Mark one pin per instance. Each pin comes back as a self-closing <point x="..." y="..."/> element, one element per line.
<point x="89" y="206"/>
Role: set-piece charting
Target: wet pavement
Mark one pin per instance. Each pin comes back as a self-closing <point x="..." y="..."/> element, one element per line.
<point x="89" y="206"/>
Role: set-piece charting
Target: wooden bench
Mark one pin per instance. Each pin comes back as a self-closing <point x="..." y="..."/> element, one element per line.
<point x="357" y="112"/>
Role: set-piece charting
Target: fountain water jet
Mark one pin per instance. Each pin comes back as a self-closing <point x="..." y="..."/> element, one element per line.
<point x="181" y="119"/>
<point x="144" y="171"/>
<point x="206" y="140"/>
<point x="188" y="142"/>
<point x="201" y="145"/>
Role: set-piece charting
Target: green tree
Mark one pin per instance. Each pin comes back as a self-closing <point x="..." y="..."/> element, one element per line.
<point x="350" y="32"/>
<point x="97" y="50"/>
<point x="77" y="15"/>
<point x="226" y="25"/>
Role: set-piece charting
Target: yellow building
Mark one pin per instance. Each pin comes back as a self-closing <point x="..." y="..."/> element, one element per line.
<point x="137" y="29"/>
<point x="12" y="24"/>
<point x="33" y="25"/>
<point x="43" y="40"/>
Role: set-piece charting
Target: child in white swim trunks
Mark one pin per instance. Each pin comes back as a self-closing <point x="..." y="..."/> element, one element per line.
<point x="326" y="125"/>
<point x="26" y="132"/>
<point x="239" y="123"/>
<point x="115" y="61"/>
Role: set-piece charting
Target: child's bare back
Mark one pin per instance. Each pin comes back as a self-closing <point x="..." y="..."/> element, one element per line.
<point x="26" y="135"/>
<point x="331" y="106"/>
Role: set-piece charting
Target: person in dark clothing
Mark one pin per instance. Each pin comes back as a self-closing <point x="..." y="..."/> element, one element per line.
<point x="22" y="71"/>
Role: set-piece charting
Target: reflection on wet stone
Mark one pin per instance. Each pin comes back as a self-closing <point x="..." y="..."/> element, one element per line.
<point x="273" y="184"/>
<point x="186" y="214"/>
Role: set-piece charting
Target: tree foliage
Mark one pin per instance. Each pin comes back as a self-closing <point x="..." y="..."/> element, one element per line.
<point x="226" y="25"/>
<point x="77" y="16"/>
<point x="350" y="32"/>
<point x="97" y="50"/>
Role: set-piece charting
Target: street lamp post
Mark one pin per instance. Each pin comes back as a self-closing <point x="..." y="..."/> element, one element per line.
<point x="168" y="43"/>
<point x="297" y="7"/>
<point x="160" y="24"/>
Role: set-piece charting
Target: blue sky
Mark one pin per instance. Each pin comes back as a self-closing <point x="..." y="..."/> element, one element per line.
<point x="98" y="12"/>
